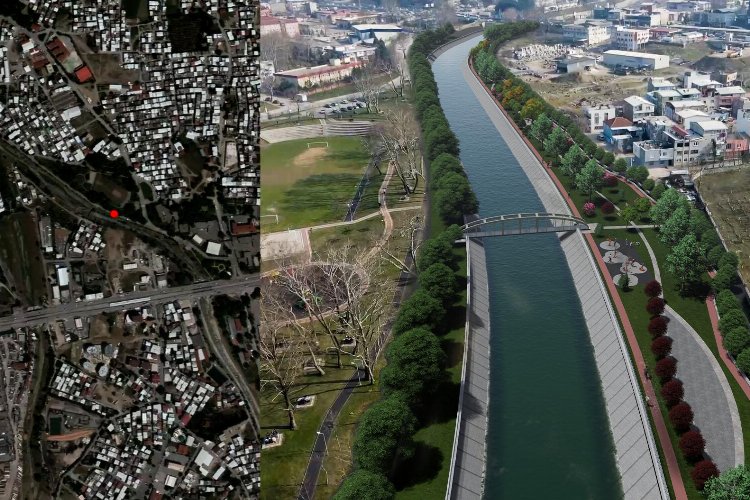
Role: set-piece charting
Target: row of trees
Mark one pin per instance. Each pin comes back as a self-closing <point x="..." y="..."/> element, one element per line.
<point x="691" y="442"/>
<point x="416" y="368"/>
<point x="733" y="328"/>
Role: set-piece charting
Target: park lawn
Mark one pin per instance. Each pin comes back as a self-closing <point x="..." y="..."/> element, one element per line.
<point x="348" y="88"/>
<point x="360" y="235"/>
<point x="309" y="186"/>
<point x="284" y="466"/>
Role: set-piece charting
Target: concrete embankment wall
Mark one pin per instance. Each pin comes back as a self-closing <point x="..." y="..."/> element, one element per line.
<point x="635" y="450"/>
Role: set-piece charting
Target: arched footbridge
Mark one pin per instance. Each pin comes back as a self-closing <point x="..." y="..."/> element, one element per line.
<point x="524" y="223"/>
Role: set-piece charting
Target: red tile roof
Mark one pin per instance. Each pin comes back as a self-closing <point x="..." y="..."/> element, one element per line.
<point x="618" y="122"/>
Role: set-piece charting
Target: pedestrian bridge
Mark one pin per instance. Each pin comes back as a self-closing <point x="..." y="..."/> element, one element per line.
<point x="524" y="223"/>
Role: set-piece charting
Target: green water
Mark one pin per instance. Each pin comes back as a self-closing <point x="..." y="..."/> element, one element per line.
<point x="548" y="435"/>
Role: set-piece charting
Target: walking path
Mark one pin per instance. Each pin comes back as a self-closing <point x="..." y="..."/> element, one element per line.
<point x="708" y="393"/>
<point x="637" y="458"/>
<point x="466" y="476"/>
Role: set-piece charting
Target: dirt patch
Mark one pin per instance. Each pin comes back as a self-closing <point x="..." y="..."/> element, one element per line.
<point x="310" y="157"/>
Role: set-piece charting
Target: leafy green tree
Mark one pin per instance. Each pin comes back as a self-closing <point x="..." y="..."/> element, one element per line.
<point x="541" y="127"/>
<point x="649" y="184"/>
<point x="667" y="204"/>
<point x="685" y="261"/>
<point x="620" y="165"/>
<point x="435" y="250"/>
<point x="637" y="174"/>
<point x="676" y="227"/>
<point x="737" y="340"/>
<point x="556" y="144"/>
<point x="384" y="434"/>
<point x="629" y="213"/>
<point x="732" y="484"/>
<point x="599" y="154"/>
<point x="710" y="238"/>
<point x="443" y="164"/>
<point x="365" y="484"/>
<point x="455" y="198"/>
<point x="643" y="205"/>
<point x="415" y="366"/>
<point x="573" y="161"/>
<point x="421" y="309"/>
<point x="609" y="159"/>
<point x="658" y="190"/>
<point x="699" y="222"/>
<point x="732" y="319"/>
<point x="743" y="361"/>
<point x="439" y="281"/>
<point x="589" y="179"/>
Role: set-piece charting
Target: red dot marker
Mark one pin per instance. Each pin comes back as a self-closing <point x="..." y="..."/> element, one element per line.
<point x="114" y="214"/>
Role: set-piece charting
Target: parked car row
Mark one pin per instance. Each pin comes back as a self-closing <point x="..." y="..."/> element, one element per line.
<point x="339" y="107"/>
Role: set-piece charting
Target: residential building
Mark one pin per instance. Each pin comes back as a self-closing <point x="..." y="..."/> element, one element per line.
<point x="725" y="96"/>
<point x="383" y="32"/>
<point x="620" y="132"/>
<point x="737" y="145"/>
<point x="652" y="154"/>
<point x="272" y="24"/>
<point x="635" y="59"/>
<point x="633" y="39"/>
<point x="672" y="108"/>
<point x="597" y="115"/>
<point x="657" y="83"/>
<point x="636" y="108"/>
<point x="326" y="74"/>
<point x="588" y="33"/>
<point x="721" y="18"/>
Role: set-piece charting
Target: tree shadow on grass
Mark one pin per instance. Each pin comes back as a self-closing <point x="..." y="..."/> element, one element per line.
<point x="321" y="191"/>
<point x="441" y="406"/>
<point x="454" y="351"/>
<point x="423" y="466"/>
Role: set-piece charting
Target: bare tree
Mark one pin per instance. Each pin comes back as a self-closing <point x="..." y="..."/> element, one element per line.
<point x="400" y="138"/>
<point x="267" y="84"/>
<point x="368" y="88"/>
<point x="413" y="232"/>
<point x="277" y="48"/>
<point x="281" y="351"/>
<point x="373" y="144"/>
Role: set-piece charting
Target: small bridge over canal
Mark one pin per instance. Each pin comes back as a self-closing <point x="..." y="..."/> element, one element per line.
<point x="524" y="223"/>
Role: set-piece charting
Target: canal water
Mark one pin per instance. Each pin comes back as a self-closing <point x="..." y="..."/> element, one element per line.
<point x="548" y="434"/>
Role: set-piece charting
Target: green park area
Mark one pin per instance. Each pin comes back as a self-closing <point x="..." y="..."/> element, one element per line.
<point x="308" y="182"/>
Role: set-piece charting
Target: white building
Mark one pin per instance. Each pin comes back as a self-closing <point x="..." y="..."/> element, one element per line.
<point x="383" y="32"/>
<point x="588" y="33"/>
<point x="631" y="38"/>
<point x="597" y="115"/>
<point x="635" y="59"/>
<point x="636" y="107"/>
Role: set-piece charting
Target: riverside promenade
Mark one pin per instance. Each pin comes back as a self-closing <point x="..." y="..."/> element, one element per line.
<point x="635" y="450"/>
<point x="466" y="477"/>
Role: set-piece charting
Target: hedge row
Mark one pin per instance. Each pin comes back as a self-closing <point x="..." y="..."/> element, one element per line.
<point x="416" y="366"/>
<point x="733" y="328"/>
<point x="691" y="441"/>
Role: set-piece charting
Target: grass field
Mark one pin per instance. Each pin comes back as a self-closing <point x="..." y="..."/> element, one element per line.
<point x="727" y="195"/>
<point x="309" y="186"/>
<point x="360" y="234"/>
<point x="117" y="194"/>
<point x="22" y="256"/>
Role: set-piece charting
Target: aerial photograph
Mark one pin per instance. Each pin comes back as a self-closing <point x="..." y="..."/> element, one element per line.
<point x="504" y="248"/>
<point x="129" y="249"/>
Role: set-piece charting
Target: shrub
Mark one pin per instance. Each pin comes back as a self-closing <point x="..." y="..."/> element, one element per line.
<point x="672" y="392"/>
<point x="620" y="165"/>
<point x="714" y="255"/>
<point x="609" y="180"/>
<point x="653" y="288"/>
<point x="365" y="484"/>
<point x="729" y="259"/>
<point x="661" y="346"/>
<point x="657" y="326"/>
<point x="692" y="445"/>
<point x="655" y="306"/>
<point x="681" y="416"/>
<point x="648" y="184"/>
<point x="702" y="472"/>
<point x="734" y="318"/>
<point x="737" y="340"/>
<point x="725" y="277"/>
<point x="710" y="239"/>
<point x="589" y="209"/>
<point x="743" y="361"/>
<point x="726" y="301"/>
<point x="658" y="190"/>
<point x="666" y="368"/>
<point x="607" y="208"/>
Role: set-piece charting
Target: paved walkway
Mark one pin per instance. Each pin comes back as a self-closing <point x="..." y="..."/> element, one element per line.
<point x="466" y="480"/>
<point x="636" y="454"/>
<point x="708" y="393"/>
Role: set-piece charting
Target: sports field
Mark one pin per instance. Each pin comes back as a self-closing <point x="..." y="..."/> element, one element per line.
<point x="305" y="186"/>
